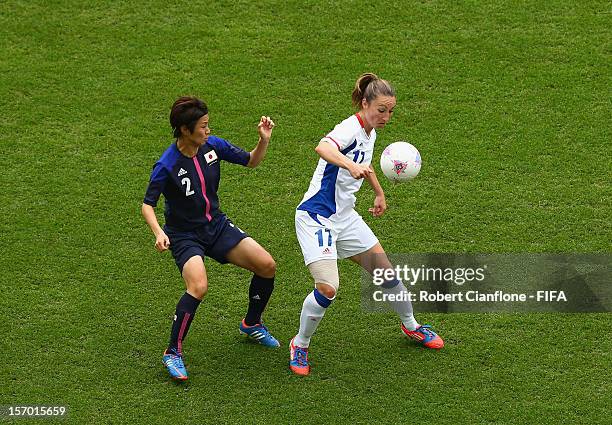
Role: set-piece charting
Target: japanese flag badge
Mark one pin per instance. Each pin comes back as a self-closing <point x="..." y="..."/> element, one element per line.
<point x="210" y="157"/>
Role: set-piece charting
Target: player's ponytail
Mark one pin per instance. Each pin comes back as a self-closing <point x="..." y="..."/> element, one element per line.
<point x="186" y="111"/>
<point x="369" y="87"/>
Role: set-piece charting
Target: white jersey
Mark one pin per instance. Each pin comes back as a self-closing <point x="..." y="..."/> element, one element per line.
<point x="332" y="190"/>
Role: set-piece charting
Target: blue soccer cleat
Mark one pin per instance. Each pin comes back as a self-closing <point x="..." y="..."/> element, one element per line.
<point x="260" y="334"/>
<point x="174" y="364"/>
<point x="298" y="359"/>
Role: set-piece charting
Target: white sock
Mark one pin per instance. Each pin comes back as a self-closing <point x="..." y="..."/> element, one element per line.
<point x="312" y="313"/>
<point x="402" y="308"/>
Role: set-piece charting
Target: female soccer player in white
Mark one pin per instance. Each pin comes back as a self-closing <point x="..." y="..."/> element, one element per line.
<point x="328" y="227"/>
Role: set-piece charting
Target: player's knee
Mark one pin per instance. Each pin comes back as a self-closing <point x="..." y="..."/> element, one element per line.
<point x="198" y="289"/>
<point x="325" y="275"/>
<point x="326" y="290"/>
<point x="267" y="267"/>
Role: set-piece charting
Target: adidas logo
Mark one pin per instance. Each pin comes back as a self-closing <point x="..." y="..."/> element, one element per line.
<point x="256" y="297"/>
<point x="327" y="251"/>
<point x="182" y="172"/>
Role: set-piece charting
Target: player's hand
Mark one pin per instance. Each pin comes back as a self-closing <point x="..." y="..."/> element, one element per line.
<point x="162" y="242"/>
<point x="359" y="171"/>
<point x="265" y="128"/>
<point x="380" y="206"/>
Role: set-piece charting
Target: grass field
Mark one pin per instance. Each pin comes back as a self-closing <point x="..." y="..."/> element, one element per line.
<point x="509" y="103"/>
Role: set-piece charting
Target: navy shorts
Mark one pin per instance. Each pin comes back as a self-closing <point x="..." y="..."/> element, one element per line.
<point x="214" y="240"/>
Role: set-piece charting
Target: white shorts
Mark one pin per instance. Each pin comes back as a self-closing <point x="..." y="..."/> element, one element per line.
<point x="323" y="239"/>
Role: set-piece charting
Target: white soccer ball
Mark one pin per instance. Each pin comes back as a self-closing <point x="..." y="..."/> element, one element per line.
<point x="400" y="162"/>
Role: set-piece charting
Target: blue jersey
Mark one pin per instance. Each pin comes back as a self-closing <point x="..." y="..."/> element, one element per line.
<point x="190" y="185"/>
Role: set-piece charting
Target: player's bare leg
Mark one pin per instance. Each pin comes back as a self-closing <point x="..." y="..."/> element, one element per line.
<point x="249" y="255"/>
<point x="196" y="285"/>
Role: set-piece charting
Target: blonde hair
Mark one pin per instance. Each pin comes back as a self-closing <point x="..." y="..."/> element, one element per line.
<point x="369" y="87"/>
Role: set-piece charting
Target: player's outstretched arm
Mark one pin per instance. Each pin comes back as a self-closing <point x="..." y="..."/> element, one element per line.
<point x="264" y="128"/>
<point x="162" y="242"/>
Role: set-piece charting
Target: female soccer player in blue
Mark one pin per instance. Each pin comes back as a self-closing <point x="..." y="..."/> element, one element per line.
<point x="328" y="227"/>
<point x="188" y="174"/>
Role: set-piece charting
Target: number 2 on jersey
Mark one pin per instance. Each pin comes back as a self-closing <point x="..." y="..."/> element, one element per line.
<point x="187" y="182"/>
<point x="319" y="234"/>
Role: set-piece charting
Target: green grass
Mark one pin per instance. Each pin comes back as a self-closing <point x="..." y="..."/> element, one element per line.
<point x="508" y="102"/>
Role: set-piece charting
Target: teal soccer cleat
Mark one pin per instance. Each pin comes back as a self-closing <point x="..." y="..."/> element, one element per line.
<point x="174" y="364"/>
<point x="260" y="334"/>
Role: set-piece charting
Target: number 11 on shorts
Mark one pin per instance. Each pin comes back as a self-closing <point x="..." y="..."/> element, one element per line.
<point x="319" y="234"/>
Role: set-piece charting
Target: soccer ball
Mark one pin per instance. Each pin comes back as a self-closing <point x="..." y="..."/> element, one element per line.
<point x="400" y="162"/>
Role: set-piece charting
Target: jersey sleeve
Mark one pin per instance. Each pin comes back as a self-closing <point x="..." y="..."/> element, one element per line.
<point x="341" y="136"/>
<point x="229" y="152"/>
<point x="157" y="183"/>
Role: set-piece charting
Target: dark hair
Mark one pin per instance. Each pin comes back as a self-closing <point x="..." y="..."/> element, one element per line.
<point x="369" y="87"/>
<point x="186" y="111"/>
